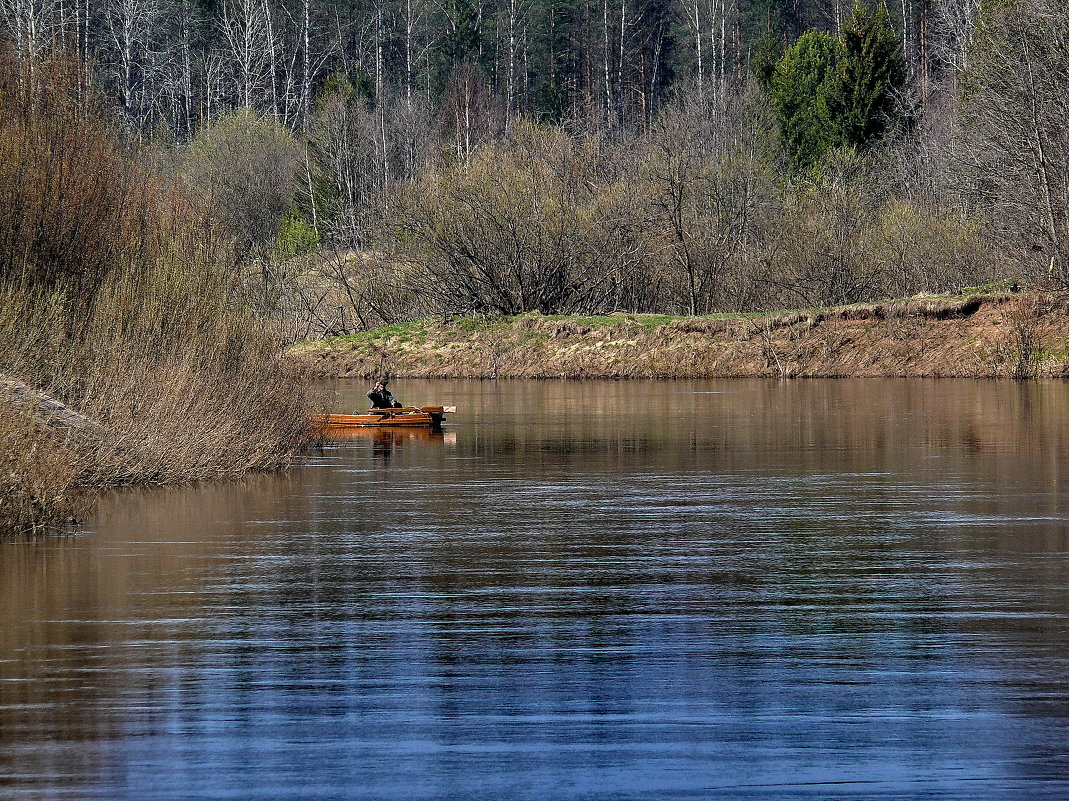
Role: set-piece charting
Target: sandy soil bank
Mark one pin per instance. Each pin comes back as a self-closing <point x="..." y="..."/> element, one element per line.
<point x="978" y="336"/>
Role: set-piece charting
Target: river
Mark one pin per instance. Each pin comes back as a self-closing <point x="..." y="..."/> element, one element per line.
<point x="580" y="590"/>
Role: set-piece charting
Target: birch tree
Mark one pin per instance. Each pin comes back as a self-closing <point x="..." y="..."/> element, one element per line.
<point x="133" y="51"/>
<point x="1015" y="143"/>
<point x="248" y="43"/>
<point x="31" y="25"/>
<point x="953" y="23"/>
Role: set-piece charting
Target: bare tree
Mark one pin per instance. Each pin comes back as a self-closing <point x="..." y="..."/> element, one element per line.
<point x="133" y="52"/>
<point x="470" y="113"/>
<point x="344" y="136"/>
<point x="953" y="23"/>
<point x="710" y="24"/>
<point x="1015" y="143"/>
<point x="512" y="41"/>
<point x="31" y="24"/>
<point x="528" y="225"/>
<point x="248" y="38"/>
<point x="822" y="252"/>
<point x="707" y="187"/>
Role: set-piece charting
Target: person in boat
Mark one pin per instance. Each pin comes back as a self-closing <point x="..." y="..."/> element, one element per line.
<point x="382" y="398"/>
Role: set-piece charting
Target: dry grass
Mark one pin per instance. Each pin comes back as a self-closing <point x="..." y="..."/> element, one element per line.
<point x="72" y="204"/>
<point x="185" y="384"/>
<point x="978" y="335"/>
<point x="188" y="381"/>
<point x="37" y="477"/>
<point x="113" y="302"/>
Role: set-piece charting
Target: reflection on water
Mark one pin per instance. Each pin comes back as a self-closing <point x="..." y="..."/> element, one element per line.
<point x="385" y="441"/>
<point x="756" y="590"/>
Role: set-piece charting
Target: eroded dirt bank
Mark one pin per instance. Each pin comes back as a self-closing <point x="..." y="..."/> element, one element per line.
<point x="979" y="336"/>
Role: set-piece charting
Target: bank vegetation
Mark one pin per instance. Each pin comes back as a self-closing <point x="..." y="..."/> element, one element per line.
<point x="994" y="333"/>
<point x="824" y="174"/>
<point x="127" y="352"/>
<point x="185" y="188"/>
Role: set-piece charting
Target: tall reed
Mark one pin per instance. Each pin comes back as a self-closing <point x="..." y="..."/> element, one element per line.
<point x="117" y="300"/>
<point x="186" y="380"/>
<point x="37" y="477"/>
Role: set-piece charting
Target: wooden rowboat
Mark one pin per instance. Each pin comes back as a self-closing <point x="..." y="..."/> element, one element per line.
<point x="404" y="417"/>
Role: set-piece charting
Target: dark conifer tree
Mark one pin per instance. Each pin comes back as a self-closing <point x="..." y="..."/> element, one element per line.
<point x="795" y="89"/>
<point x="843" y="92"/>
<point x="861" y="99"/>
<point x="767" y="54"/>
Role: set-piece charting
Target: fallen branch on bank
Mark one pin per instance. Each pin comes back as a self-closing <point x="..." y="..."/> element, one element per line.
<point x="49" y="412"/>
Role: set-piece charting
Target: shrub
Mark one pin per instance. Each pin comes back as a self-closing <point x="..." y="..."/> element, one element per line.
<point x="36" y="477"/>
<point x="244" y="167"/>
<point x="71" y="206"/>
<point x="533" y="223"/>
<point x="138" y="328"/>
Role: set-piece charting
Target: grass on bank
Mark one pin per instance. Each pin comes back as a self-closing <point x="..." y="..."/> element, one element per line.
<point x="415" y="333"/>
<point x="37" y="477"/>
<point x="185" y="385"/>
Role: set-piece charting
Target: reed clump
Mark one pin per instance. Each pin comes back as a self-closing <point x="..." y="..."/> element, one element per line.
<point x="117" y="301"/>
<point x="37" y="476"/>
<point x="185" y="381"/>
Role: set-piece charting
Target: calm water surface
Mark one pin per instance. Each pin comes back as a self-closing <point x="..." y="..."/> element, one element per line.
<point x="676" y="590"/>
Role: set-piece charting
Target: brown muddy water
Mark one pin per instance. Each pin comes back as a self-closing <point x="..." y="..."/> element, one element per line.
<point x="663" y="590"/>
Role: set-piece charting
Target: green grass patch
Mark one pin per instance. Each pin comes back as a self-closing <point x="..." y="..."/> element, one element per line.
<point x="1042" y="355"/>
<point x="475" y="323"/>
<point x="609" y="320"/>
<point x="416" y="332"/>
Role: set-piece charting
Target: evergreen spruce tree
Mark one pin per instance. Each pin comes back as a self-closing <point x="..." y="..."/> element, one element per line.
<point x="843" y="92"/>
<point x="860" y="98"/>
<point x="795" y="89"/>
<point x="767" y="55"/>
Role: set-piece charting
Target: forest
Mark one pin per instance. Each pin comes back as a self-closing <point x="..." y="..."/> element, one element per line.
<point x="376" y="161"/>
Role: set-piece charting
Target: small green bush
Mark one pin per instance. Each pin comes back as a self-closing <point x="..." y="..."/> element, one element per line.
<point x="295" y="237"/>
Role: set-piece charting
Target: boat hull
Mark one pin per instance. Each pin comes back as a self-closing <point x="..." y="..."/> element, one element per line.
<point x="428" y="417"/>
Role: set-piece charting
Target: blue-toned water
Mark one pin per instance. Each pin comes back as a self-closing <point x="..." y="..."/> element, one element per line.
<point x="663" y="590"/>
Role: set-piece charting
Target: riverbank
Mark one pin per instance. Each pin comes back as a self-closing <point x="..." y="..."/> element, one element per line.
<point x="176" y="425"/>
<point x="981" y="335"/>
<point x="130" y="350"/>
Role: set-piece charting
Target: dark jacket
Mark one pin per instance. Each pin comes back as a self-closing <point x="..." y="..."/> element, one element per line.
<point x="382" y="399"/>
